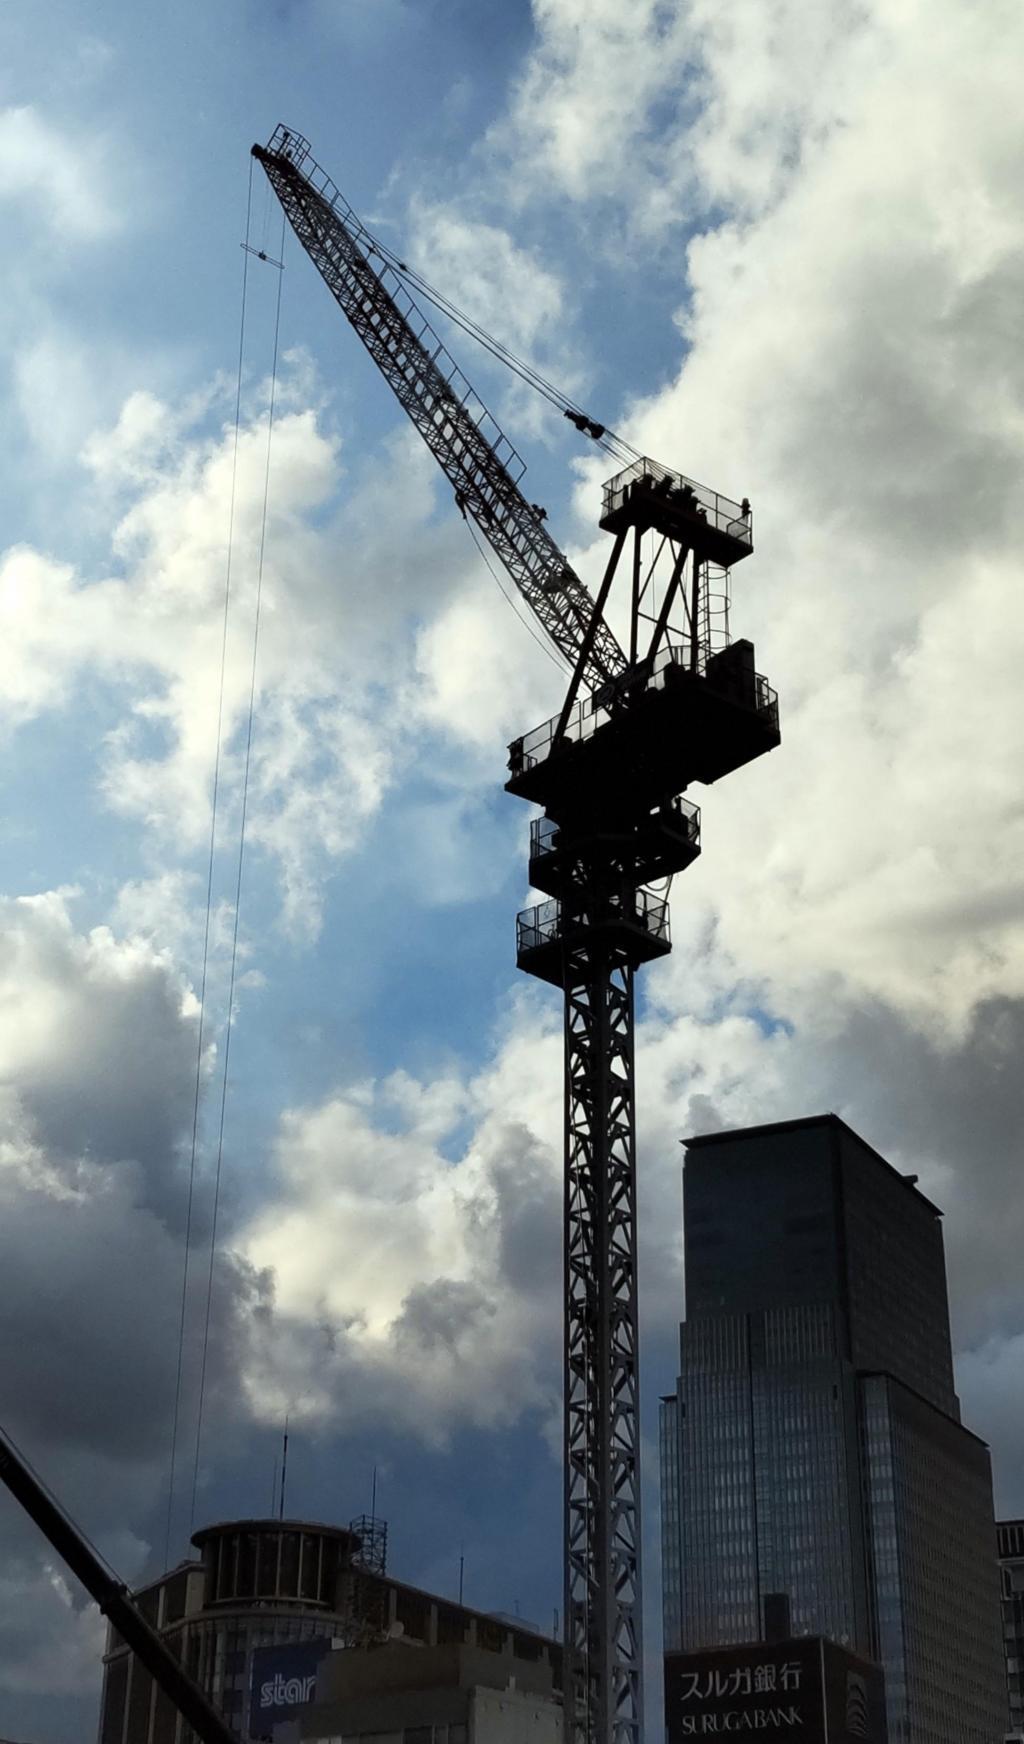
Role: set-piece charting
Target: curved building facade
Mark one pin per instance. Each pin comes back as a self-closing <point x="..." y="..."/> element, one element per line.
<point x="254" y="1583"/>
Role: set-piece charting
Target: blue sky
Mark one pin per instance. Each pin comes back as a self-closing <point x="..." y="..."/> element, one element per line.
<point x="694" y="218"/>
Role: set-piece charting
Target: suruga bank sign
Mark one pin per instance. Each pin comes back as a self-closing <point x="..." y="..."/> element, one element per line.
<point x="806" y="1691"/>
<point x="764" y="1678"/>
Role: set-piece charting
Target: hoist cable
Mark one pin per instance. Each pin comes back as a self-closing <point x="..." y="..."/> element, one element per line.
<point x="238" y="884"/>
<point x="495" y="577"/>
<point x="614" y="444"/>
<point x="209" y="892"/>
<point x="471" y="327"/>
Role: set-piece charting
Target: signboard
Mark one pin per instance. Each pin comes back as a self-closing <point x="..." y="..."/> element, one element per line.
<point x="283" y="1678"/>
<point x="774" y="1694"/>
<point x="854" y="1698"/>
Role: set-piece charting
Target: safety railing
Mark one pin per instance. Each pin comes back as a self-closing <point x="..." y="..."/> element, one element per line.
<point x="588" y="715"/>
<point x="720" y="512"/>
<point x="679" y="814"/>
<point x="287" y="143"/>
<point x="545" y="837"/>
<point x="543" y="925"/>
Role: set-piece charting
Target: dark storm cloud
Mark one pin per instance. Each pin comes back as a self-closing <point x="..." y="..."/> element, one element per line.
<point x="98" y="1051"/>
<point x="528" y="1200"/>
<point x="439" y="1316"/>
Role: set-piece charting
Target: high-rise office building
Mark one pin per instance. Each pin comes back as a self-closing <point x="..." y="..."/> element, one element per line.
<point x="1010" y="1542"/>
<point x="813" y="1445"/>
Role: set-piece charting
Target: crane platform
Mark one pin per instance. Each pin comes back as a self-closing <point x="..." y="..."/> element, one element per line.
<point x="623" y="754"/>
<point x="648" y="494"/>
<point x="666" y="841"/>
<point x="545" y="935"/>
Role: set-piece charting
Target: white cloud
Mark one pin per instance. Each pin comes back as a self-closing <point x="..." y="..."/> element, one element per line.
<point x="508" y="289"/>
<point x="380" y="633"/>
<point x="410" y="1237"/>
<point x="340" y="600"/>
<point x="63" y="174"/>
<point x="98" y="1043"/>
<point x="853" y="936"/>
<point x="851" y="335"/>
<point x="483" y="678"/>
<point x="420" y="1287"/>
<point x="49" y="1640"/>
<point x="504" y="287"/>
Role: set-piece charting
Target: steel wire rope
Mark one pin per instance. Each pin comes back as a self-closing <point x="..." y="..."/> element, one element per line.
<point x="209" y="886"/>
<point x="555" y="659"/>
<point x="238" y="885"/>
<point x="614" y="444"/>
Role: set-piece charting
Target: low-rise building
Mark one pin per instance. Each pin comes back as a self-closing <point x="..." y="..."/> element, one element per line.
<point x="291" y="1585"/>
<point x="404" y="1694"/>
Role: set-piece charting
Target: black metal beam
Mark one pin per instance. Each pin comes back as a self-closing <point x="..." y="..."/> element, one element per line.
<point x="113" y="1599"/>
<point x="586" y="646"/>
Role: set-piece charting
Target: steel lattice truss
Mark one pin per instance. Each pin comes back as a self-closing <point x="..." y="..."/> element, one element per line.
<point x="443" y="406"/>
<point x="604" y="1660"/>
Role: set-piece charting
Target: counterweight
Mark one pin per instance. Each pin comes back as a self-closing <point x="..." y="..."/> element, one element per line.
<point x="609" y="771"/>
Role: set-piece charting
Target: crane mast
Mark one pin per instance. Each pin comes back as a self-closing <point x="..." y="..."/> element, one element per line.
<point x="609" y="771"/>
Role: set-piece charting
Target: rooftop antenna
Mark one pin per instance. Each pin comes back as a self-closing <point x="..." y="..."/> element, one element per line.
<point x="284" y="1466"/>
<point x="462" y="1571"/>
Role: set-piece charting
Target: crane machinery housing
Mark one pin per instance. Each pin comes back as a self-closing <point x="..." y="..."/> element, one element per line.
<point x="672" y="702"/>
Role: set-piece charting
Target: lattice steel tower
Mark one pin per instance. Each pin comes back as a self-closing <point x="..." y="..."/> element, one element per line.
<point x="671" y="703"/>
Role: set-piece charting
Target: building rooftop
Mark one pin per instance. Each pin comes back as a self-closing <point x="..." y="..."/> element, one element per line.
<point x="263" y="1523"/>
<point x="520" y="1630"/>
<point x="834" y="1121"/>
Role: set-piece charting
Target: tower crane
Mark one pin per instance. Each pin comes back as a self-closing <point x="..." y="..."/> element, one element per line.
<point x="668" y="702"/>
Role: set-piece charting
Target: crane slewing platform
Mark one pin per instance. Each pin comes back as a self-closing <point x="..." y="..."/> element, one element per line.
<point x="674" y="702"/>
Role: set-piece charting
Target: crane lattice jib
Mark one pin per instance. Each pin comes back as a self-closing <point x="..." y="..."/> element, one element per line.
<point x="475" y="456"/>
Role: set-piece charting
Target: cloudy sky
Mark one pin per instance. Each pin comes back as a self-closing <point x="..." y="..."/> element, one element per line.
<point x="778" y="246"/>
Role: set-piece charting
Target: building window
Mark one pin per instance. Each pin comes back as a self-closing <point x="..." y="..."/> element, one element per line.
<point x="267" y="1565"/>
<point x="310" y="1580"/>
<point x="246" y="1584"/>
<point x="289" y="1565"/>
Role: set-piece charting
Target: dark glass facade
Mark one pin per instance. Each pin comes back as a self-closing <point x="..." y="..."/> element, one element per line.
<point x="813" y="1446"/>
<point x="766" y="1454"/>
<point x="807" y="1213"/>
<point x="929" y="1491"/>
